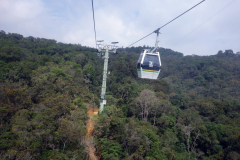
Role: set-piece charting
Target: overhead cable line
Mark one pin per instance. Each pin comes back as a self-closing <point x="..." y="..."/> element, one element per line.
<point x="205" y="21"/>
<point x="155" y="31"/>
<point x="94" y="24"/>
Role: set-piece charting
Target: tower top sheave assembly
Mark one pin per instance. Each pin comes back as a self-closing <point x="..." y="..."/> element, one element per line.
<point x="102" y="47"/>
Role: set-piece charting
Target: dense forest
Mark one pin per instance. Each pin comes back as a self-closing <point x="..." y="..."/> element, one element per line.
<point x="47" y="88"/>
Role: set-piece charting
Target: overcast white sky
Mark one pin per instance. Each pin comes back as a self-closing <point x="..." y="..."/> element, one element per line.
<point x="212" y="26"/>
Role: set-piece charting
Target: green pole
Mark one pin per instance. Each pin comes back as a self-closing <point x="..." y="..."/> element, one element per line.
<point x="104" y="83"/>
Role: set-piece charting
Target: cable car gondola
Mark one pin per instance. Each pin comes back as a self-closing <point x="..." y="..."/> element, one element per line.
<point x="149" y="63"/>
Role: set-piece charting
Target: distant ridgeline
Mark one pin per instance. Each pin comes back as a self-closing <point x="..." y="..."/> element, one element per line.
<point x="46" y="88"/>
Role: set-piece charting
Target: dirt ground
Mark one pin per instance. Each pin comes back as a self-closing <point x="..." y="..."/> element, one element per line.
<point x="89" y="138"/>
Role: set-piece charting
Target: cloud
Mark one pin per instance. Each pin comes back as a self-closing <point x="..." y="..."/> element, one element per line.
<point x="13" y="11"/>
<point x="200" y="31"/>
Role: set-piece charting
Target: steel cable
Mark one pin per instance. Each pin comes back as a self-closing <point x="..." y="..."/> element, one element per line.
<point x="206" y="21"/>
<point x="94" y="25"/>
<point x="168" y="22"/>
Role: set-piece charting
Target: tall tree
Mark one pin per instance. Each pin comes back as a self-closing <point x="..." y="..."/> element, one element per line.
<point x="145" y="102"/>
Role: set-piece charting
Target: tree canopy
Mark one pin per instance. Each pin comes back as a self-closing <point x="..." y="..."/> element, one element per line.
<point x="46" y="88"/>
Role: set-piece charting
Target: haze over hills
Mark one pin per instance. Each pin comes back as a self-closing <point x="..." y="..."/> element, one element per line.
<point x="47" y="88"/>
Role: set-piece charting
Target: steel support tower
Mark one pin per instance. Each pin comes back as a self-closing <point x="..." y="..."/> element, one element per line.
<point x="107" y="49"/>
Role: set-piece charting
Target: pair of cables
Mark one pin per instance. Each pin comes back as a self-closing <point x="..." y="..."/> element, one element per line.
<point x="167" y="23"/>
<point x="151" y="32"/>
<point x="183" y="14"/>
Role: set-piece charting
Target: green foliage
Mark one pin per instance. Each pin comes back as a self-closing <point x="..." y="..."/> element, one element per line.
<point x="111" y="149"/>
<point x="6" y="140"/>
<point x="89" y="71"/>
<point x="46" y="88"/>
<point x="199" y="80"/>
<point x="10" y="54"/>
<point x="15" y="72"/>
<point x="59" y="72"/>
<point x="78" y="102"/>
<point x="209" y="74"/>
<point x="164" y="122"/>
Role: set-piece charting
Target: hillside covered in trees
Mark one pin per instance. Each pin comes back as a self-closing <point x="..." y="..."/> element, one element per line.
<point x="47" y="87"/>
